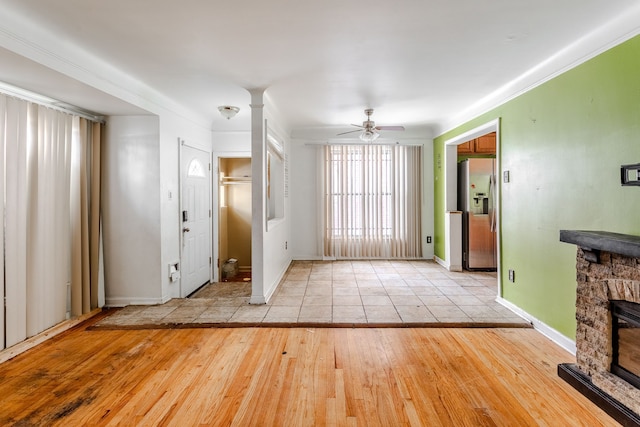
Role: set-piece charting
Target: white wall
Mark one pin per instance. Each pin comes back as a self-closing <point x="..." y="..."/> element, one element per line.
<point x="173" y="130"/>
<point x="304" y="191"/>
<point x="131" y="210"/>
<point x="141" y="205"/>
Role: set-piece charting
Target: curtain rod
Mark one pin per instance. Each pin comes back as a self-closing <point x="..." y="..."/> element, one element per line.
<point x="45" y="101"/>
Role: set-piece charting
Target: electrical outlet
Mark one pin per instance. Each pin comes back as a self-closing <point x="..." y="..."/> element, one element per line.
<point x="428" y="239"/>
<point x="512" y="276"/>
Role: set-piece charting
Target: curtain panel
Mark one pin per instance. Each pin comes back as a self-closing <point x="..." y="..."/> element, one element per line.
<point x="372" y="201"/>
<point x="50" y="182"/>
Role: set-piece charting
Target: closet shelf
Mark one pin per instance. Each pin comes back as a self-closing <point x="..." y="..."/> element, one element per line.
<point x="235" y="180"/>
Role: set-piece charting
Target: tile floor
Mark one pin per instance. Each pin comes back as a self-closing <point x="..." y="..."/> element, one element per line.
<point x="340" y="292"/>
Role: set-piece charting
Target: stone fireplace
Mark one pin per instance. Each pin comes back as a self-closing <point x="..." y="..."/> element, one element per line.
<point x="608" y="277"/>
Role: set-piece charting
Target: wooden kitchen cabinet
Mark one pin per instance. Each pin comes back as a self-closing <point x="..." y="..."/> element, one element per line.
<point x="466" y="148"/>
<point x="485" y="144"/>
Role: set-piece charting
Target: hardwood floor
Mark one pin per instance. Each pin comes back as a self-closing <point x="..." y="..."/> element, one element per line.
<point x="296" y="377"/>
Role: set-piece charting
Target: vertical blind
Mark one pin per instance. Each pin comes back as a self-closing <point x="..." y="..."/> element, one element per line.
<point x="372" y="199"/>
<point x="50" y="180"/>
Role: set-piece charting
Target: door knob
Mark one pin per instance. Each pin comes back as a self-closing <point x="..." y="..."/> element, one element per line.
<point x="186" y="230"/>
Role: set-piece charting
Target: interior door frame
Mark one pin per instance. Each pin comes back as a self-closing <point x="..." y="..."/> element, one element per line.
<point x="183" y="143"/>
<point x="451" y="181"/>
<point x="215" y="212"/>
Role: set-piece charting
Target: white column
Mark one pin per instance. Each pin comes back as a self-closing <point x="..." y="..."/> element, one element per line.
<point x="258" y="207"/>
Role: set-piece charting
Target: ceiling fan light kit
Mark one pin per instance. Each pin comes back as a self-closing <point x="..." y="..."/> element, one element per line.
<point x="369" y="135"/>
<point x="369" y="130"/>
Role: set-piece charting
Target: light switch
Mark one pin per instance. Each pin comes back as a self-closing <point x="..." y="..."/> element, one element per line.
<point x="505" y="176"/>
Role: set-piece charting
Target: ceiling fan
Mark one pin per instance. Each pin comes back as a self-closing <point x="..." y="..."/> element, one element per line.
<point x="369" y="130"/>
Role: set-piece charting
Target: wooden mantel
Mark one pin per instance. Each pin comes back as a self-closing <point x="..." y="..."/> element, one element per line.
<point x="623" y="244"/>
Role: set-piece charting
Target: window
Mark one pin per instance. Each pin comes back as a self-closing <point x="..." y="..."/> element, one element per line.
<point x="275" y="177"/>
<point x="196" y="169"/>
<point x="372" y="197"/>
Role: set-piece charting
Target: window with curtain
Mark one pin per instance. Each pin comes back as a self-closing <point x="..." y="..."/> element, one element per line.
<point x="372" y="199"/>
<point x="50" y="180"/>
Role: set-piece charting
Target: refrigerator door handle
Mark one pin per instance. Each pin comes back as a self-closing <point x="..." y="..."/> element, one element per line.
<point x="492" y="206"/>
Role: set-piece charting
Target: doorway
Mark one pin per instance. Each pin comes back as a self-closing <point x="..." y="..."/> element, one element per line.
<point x="234" y="219"/>
<point x="195" y="219"/>
<point x="451" y="185"/>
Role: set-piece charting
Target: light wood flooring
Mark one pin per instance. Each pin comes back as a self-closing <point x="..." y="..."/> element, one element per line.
<point x="293" y="377"/>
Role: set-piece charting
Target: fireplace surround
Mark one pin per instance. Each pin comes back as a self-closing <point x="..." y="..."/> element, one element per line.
<point x="608" y="280"/>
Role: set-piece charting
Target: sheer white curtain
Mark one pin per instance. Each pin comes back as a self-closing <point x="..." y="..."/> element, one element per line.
<point x="43" y="170"/>
<point x="372" y="200"/>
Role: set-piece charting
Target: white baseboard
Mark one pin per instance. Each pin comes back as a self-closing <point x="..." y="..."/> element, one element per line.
<point x="546" y="330"/>
<point x="446" y="264"/>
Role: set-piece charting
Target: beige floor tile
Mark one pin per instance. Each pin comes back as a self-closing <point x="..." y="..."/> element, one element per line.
<point x="346" y="291"/>
<point x="341" y="292"/>
<point x="389" y="277"/>
<point x="232" y="302"/>
<point x="443" y="282"/>
<point x="465" y="300"/>
<point x="478" y="311"/>
<point x="378" y="290"/>
<point x="406" y="300"/>
<point x="349" y="314"/>
<point x="319" y="291"/>
<point x="369" y="283"/>
<point x="315" y="313"/>
<point x="287" y="300"/>
<point x="250" y="313"/>
<point x="435" y="300"/>
<point x="448" y="311"/>
<point x="216" y="315"/>
<point x="292" y="291"/>
<point x="345" y="283"/>
<point x="454" y="290"/>
<point x="376" y="300"/>
<point x="381" y="313"/>
<point x="348" y="300"/>
<point x="399" y="290"/>
<point x="426" y="290"/>
<point x="187" y="311"/>
<point x="459" y="319"/>
<point x="415" y="314"/>
<point x="282" y="314"/>
<point x="317" y="300"/>
<point x="415" y="283"/>
<point x="157" y="311"/>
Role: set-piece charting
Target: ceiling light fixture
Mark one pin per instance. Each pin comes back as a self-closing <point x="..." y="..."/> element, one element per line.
<point x="228" y="111"/>
<point x="369" y="135"/>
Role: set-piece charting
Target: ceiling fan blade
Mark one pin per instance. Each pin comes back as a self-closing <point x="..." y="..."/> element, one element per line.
<point x="351" y="131"/>
<point x="389" y="127"/>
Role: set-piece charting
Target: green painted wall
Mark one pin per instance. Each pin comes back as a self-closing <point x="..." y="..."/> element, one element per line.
<point x="563" y="143"/>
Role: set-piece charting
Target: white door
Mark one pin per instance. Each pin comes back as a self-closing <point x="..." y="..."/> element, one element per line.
<point x="196" y="221"/>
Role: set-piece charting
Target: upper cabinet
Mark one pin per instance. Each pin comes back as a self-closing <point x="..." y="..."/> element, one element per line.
<point x="486" y="144"/>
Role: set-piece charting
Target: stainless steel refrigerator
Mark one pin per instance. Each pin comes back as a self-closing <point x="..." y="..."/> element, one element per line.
<point x="476" y="200"/>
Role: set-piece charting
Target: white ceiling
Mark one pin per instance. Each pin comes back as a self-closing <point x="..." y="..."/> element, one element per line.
<point x="418" y="63"/>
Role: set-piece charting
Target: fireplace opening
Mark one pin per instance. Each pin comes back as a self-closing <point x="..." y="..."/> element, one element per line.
<point x="626" y="341"/>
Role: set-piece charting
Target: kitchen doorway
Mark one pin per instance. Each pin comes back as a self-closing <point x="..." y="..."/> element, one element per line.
<point x="234" y="219"/>
<point x="451" y="158"/>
